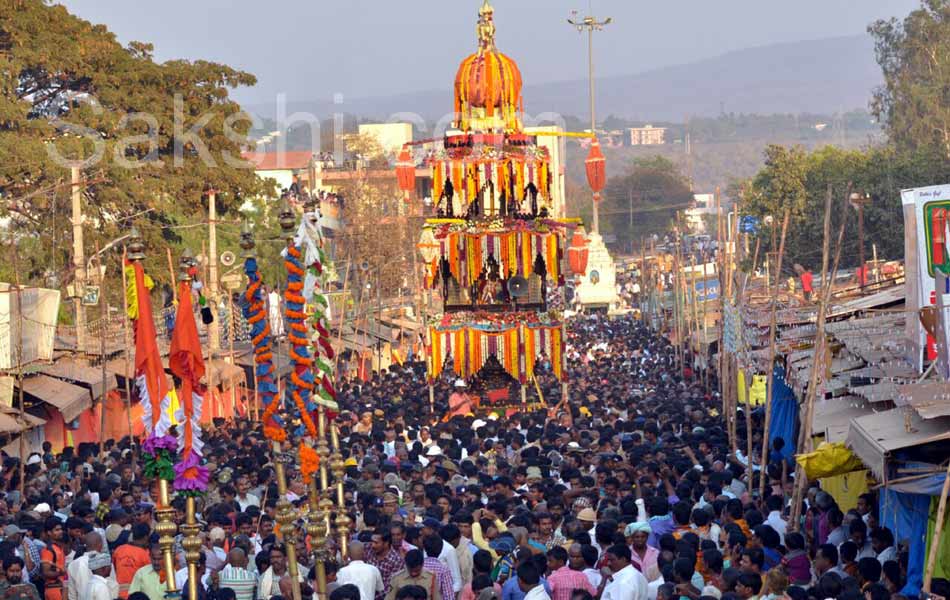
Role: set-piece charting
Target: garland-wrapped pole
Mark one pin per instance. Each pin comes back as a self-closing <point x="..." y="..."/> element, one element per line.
<point x="252" y="306"/>
<point x="298" y="388"/>
<point x="187" y="364"/>
<point x="324" y="395"/>
<point x="153" y="392"/>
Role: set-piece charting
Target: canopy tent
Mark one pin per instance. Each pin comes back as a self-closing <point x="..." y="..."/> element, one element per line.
<point x="68" y="399"/>
<point x="875" y="437"/>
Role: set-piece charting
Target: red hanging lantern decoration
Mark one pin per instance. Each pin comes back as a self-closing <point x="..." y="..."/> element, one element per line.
<point x="406" y="173"/>
<point x="578" y="253"/>
<point x="938" y="236"/>
<point x="596" y="167"/>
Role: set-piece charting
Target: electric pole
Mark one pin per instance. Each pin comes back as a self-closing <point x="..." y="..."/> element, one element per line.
<point x="591" y="24"/>
<point x="214" y="341"/>
<point x="79" y="259"/>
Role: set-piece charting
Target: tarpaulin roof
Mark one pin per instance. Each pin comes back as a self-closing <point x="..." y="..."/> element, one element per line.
<point x="69" y="399"/>
<point x="81" y="374"/>
<point x="930" y="400"/>
<point x="874" y="437"/>
<point x="219" y="372"/>
<point x="835" y="416"/>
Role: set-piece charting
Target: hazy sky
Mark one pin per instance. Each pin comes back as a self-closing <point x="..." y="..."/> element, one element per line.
<point x="311" y="49"/>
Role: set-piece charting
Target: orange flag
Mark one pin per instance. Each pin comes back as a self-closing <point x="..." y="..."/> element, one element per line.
<point x="150" y="379"/>
<point x="186" y="363"/>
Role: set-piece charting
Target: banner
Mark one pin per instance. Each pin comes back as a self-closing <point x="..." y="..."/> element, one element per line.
<point x="926" y="215"/>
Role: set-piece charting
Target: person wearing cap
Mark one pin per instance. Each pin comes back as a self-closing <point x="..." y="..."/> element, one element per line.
<point x="460" y="403"/>
<point x="98" y="587"/>
<point x="79" y="570"/>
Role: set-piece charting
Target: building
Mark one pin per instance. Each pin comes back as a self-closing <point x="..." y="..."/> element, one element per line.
<point x="280" y="166"/>
<point x="647" y="135"/>
<point x="556" y="148"/>
<point x="391" y="136"/>
<point x="704" y="205"/>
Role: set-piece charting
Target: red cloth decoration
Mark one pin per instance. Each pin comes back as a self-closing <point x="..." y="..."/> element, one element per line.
<point x="596" y="167"/>
<point x="406" y="173"/>
<point x="577" y="254"/>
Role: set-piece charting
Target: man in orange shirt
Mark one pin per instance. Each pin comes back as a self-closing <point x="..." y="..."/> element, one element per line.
<point x="460" y="403"/>
<point x="129" y="558"/>
<point x="53" y="560"/>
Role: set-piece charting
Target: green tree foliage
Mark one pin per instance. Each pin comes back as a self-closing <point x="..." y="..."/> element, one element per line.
<point x="799" y="180"/>
<point x="643" y="200"/>
<point x="70" y="92"/>
<point x="914" y="102"/>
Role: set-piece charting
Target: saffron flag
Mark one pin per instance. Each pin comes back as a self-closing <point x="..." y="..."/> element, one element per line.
<point x="186" y="363"/>
<point x="150" y="380"/>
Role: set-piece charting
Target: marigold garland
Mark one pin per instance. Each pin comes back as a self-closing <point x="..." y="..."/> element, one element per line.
<point x="309" y="463"/>
<point x="301" y="380"/>
<point x="253" y="309"/>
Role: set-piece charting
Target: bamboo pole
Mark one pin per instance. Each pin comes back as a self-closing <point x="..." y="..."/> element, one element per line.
<point x="770" y="389"/>
<point x="171" y="273"/>
<point x="820" y="348"/>
<point x="19" y="369"/>
<point x="339" y="336"/>
<point x="938" y="531"/>
<point x="104" y="318"/>
<point x="229" y="293"/>
<point x="128" y="354"/>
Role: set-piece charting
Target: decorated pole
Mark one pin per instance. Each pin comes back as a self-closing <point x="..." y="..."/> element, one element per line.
<point x="252" y="306"/>
<point x="338" y="466"/>
<point x="324" y="395"/>
<point x="298" y="388"/>
<point x="152" y="389"/>
<point x="187" y="364"/>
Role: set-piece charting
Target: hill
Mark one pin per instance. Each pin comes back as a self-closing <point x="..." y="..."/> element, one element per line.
<point x="816" y="76"/>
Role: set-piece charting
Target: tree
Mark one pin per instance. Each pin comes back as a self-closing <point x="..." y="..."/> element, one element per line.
<point x="914" y="102"/>
<point x="153" y="138"/>
<point x="644" y="200"/>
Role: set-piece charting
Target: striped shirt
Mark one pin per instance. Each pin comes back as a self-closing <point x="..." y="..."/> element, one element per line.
<point x="434" y="565"/>
<point x="242" y="581"/>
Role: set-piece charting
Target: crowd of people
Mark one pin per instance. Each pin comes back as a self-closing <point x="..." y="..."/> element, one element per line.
<point x="627" y="492"/>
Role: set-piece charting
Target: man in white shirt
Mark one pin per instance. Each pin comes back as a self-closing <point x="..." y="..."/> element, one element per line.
<point x="244" y="497"/>
<point x="626" y="583"/>
<point x="79" y="573"/>
<point x="447" y="556"/>
<point x="774" y="520"/>
<point x="97" y="588"/>
<point x="364" y="576"/>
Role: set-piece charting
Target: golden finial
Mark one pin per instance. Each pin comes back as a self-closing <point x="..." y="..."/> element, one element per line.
<point x="486" y="26"/>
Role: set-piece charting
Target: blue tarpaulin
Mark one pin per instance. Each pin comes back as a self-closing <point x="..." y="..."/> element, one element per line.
<point x="784" y="413"/>
<point x="906" y="516"/>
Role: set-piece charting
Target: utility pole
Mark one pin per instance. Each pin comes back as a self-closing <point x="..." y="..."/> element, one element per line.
<point x="591" y="24"/>
<point x="214" y="340"/>
<point x="859" y="201"/>
<point x="79" y="259"/>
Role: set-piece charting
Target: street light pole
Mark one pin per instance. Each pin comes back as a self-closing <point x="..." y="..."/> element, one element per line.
<point x="591" y="24"/>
